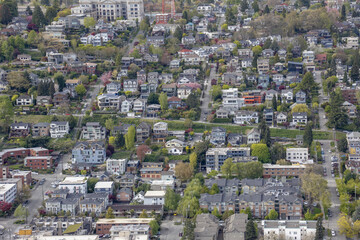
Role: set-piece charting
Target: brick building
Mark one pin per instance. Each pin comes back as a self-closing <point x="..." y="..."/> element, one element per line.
<point x="103" y="225"/>
<point x="38" y="162"/>
<point x="18" y="153"/>
<point x="275" y="170"/>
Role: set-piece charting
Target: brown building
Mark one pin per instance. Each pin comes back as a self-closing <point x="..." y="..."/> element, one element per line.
<point x="124" y="195"/>
<point x="18" y="153"/>
<point x="41" y="130"/>
<point x="61" y="98"/>
<point x="103" y="225"/>
<point x="25" y="177"/>
<point x="275" y="170"/>
<point x="39" y="162"/>
<point x="121" y="210"/>
<point x="143" y="131"/>
<point x="4" y="172"/>
<point x="18" y="130"/>
<point x="349" y="95"/>
<point x="223" y="202"/>
<point x="151" y="170"/>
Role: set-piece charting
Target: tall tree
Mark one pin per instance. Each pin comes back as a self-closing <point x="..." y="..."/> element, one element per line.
<point x="5" y="14"/>
<point x="50" y="14"/>
<point x="171" y="199"/>
<point x="261" y="151"/>
<point x="109" y="213"/>
<point x="354" y="74"/>
<point x="80" y="90"/>
<point x="60" y="80"/>
<point x="38" y="17"/>
<point x="274" y="103"/>
<point x="267" y="9"/>
<point x="319" y="235"/>
<point x="18" y="81"/>
<point x="183" y="171"/>
<point x="342" y="144"/>
<point x="130" y="138"/>
<point x="308" y="136"/>
<point x="6" y="112"/>
<point x="178" y="33"/>
<point x="343" y="13"/>
<point x="250" y="232"/>
<point x="163" y="101"/>
<point x="193" y="160"/>
<point x="226" y="168"/>
<point x="89" y="22"/>
<point x="119" y="140"/>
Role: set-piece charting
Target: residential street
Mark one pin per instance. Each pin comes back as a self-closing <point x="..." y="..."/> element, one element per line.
<point x="322" y="99"/>
<point x="206" y="99"/>
<point x="170" y="231"/>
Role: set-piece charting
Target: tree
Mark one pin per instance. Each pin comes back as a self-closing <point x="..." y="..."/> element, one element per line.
<point x="216" y="213"/>
<point x="227" y="214"/>
<point x="5" y="15"/>
<point x="130" y="138"/>
<point x="21" y="212"/>
<point x="89" y="22"/>
<point x="6" y="112"/>
<point x="261" y="151"/>
<point x="308" y="136"/>
<point x="274" y="103"/>
<point x="319" y="234"/>
<point x="154" y="227"/>
<point x="193" y="100"/>
<point x="342" y="144"/>
<point x="38" y="17"/>
<point x="214" y="189"/>
<point x="257" y="50"/>
<point x="80" y="90"/>
<point x="163" y="101"/>
<point x="28" y="10"/>
<point x="348" y="227"/>
<point x="343" y="13"/>
<point x="226" y="168"/>
<point x="32" y="37"/>
<point x="216" y="92"/>
<point x="120" y="140"/>
<point x="250" y="232"/>
<point x="183" y="171"/>
<point x="5" y="207"/>
<point x="60" y="80"/>
<point x="244" y="5"/>
<point x="18" y="81"/>
<point x="50" y="14"/>
<point x="110" y="124"/>
<point x="188" y="206"/>
<point x="188" y="123"/>
<point x="45" y="2"/>
<point x="255" y="6"/>
<point x="143" y="214"/>
<point x="193" y="160"/>
<point x="91" y="184"/>
<point x="266" y="10"/>
<point x="144" y="25"/>
<point x="141" y="152"/>
<point x="171" y="199"/>
<point x="153" y="98"/>
<point x="109" y="213"/>
<point x="355" y="67"/>
<point x="313" y="185"/>
<point x="308" y="85"/>
<point x="178" y="33"/>
<point x="283" y="162"/>
<point x="273" y="215"/>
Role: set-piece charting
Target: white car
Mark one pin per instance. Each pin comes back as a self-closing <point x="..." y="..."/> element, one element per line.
<point x="333" y="233"/>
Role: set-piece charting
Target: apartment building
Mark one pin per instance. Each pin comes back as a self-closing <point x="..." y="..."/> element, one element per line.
<point x="154" y="198"/>
<point x="41" y="129"/>
<point x="59" y="129"/>
<point x="116" y="166"/>
<point x="74" y="184"/>
<point x="276" y="170"/>
<point x="18" y="130"/>
<point x="104" y="225"/>
<point x="160" y="130"/>
<point x="151" y="170"/>
<point x="8" y="192"/>
<point x="215" y="157"/>
<point x="19" y="153"/>
<point x="290" y="229"/>
<point x="298" y="155"/>
<point x="93" y="131"/>
<point x="39" y="162"/>
<point x="228" y="186"/>
<point x="143" y="131"/>
<point x="89" y="153"/>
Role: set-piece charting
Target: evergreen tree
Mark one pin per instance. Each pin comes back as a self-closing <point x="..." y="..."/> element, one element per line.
<point x="51" y="89"/>
<point x="319" y="235"/>
<point x="267" y="137"/>
<point x="50" y="14"/>
<point x="332" y="71"/>
<point x="119" y="140"/>
<point x="244" y="5"/>
<point x="345" y="79"/>
<point x="250" y="232"/>
<point x="45" y="2"/>
<point x="355" y="67"/>
<point x="38" y="17"/>
<point x="343" y="13"/>
<point x="274" y="103"/>
<point x="308" y="136"/>
<point x="5" y="15"/>
<point x="178" y="33"/>
<point x="29" y="11"/>
<point x="266" y="10"/>
<point x="255" y="6"/>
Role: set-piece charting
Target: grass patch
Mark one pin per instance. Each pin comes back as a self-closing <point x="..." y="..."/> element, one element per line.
<point x="316" y="210"/>
<point x="179" y="157"/>
<point x="16" y="166"/>
<point x="33" y="118"/>
<point x="120" y="154"/>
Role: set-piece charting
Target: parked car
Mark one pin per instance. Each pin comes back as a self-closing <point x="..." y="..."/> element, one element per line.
<point x="333" y="233"/>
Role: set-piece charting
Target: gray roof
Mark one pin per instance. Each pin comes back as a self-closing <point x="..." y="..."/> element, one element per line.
<point x="126" y="190"/>
<point x="223" y="182"/>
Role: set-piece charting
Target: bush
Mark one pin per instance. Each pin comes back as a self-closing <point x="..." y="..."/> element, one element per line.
<point x="222" y="120"/>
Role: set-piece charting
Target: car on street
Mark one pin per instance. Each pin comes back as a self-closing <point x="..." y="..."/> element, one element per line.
<point x="333" y="234"/>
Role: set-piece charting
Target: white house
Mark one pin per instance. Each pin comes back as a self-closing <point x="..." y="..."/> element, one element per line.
<point x="116" y="166"/>
<point x="298" y="155"/>
<point x="287" y="95"/>
<point x="59" y="129"/>
<point x="289" y="229"/>
<point x="154" y="198"/>
<point x="246" y="117"/>
<point x="104" y="187"/>
<point x="8" y="192"/>
<point x="230" y="93"/>
<point x="175" y="147"/>
<point x="74" y="184"/>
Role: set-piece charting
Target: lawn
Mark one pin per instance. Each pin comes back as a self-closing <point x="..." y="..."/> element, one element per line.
<point x="121" y="154"/>
<point x="33" y="118"/>
<point x="179" y="157"/>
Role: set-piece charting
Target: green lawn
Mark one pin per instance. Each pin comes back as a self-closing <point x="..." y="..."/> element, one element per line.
<point x="179" y="157"/>
<point x="33" y="118"/>
<point x="120" y="154"/>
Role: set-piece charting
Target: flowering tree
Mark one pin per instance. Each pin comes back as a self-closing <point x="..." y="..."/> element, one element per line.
<point x="105" y="78"/>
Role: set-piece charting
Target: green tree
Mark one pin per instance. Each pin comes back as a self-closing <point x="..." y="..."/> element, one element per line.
<point x="178" y="33"/>
<point x="188" y="206"/>
<point x="32" y="38"/>
<point x="193" y="160"/>
<point x="308" y="136"/>
<point x="354" y="74"/>
<point x="119" y="140"/>
<point x="342" y="144"/>
<point x="91" y="184"/>
<point x="143" y="214"/>
<point x="171" y="199"/>
<point x="193" y="100"/>
<point x="216" y="213"/>
<point x="154" y="226"/>
<point x="50" y="14"/>
<point x="109" y="213"/>
<point x="343" y="13"/>
<point x="319" y="234"/>
<point x="110" y="124"/>
<point x="38" y="17"/>
<point x="144" y="25"/>
<point x="250" y="232"/>
<point x="257" y="50"/>
<point x="18" y="81"/>
<point x="274" y="103"/>
<point x="214" y="189"/>
<point x="80" y="90"/>
<point x="130" y="138"/>
<point x="216" y="92"/>
<point x="45" y="2"/>
<point x="6" y="112"/>
<point x="89" y="22"/>
<point x="244" y="5"/>
<point x="273" y="215"/>
<point x="313" y="185"/>
<point x="19" y="43"/>
<point x="261" y="151"/>
<point x="255" y="6"/>
<point x="227" y="214"/>
<point x="153" y="98"/>
<point x="226" y="168"/>
<point x="60" y="80"/>
<point x="21" y="212"/>
<point x="266" y="10"/>
<point x="308" y="85"/>
<point x="183" y="171"/>
<point x="5" y="14"/>
<point x="163" y="101"/>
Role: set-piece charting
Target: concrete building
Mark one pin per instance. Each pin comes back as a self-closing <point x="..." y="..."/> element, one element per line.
<point x="74" y="184"/>
<point x="8" y="192"/>
<point x="93" y="131"/>
<point x="59" y="129"/>
<point x="290" y="229"/>
<point x="215" y="157"/>
<point x="104" y="225"/>
<point x="154" y="198"/>
<point x="39" y="162"/>
<point x="116" y="166"/>
<point x="89" y="153"/>
<point x="298" y="155"/>
<point x="104" y="187"/>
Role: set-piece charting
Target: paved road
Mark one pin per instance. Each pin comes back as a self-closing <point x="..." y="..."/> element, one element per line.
<point x="169" y="230"/>
<point x="206" y="99"/>
<point x="322" y="98"/>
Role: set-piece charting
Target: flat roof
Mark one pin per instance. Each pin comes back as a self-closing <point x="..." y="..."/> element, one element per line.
<point x="6" y="187"/>
<point x="154" y="194"/>
<point x="125" y="221"/>
<point x="283" y="166"/>
<point x="74" y="180"/>
<point x="104" y="184"/>
<point x="72" y="237"/>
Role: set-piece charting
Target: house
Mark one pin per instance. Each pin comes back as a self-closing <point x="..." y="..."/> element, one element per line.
<point x="207" y="227"/>
<point x="233" y="104"/>
<point x="170" y="89"/>
<point x="74" y="184"/>
<point x="246" y="117"/>
<point x="104" y="187"/>
<point x="188" y="40"/>
<point x="268" y="53"/>
<point x="139" y="105"/>
<point x="127" y="180"/>
<point x="175" y="147"/>
<point x="215" y="157"/>
<point x="125" y="106"/>
<point x="124" y="195"/>
<point x="287" y="95"/>
<point x="130" y="85"/>
<point x="289" y="229"/>
<point x="151" y="170"/>
<point x="253" y="136"/>
<point x="268" y="116"/>
<point x="24" y="100"/>
<point x="298" y="155"/>
<point x="154" y="198"/>
<point x="230" y="93"/>
<point x="245" y="53"/>
<point x="218" y="136"/>
<point x="160" y="131"/>
<point x="38" y="162"/>
<point x="113" y="87"/>
<point x="89" y="153"/>
<point x="175" y="103"/>
<point x="252" y="97"/>
<point x="295" y="67"/>
<point x="175" y="63"/>
<point x="183" y="91"/>
<point x="308" y="56"/>
<point x="235" y="226"/>
<point x="282" y="54"/>
<point x="300" y="97"/>
<point x="223" y="202"/>
<point x="278" y="79"/>
<point x="8" y="192"/>
<point x="59" y="129"/>
<point x="122" y="129"/>
<point x="109" y="101"/>
<point x="222" y="113"/>
<point x="41" y="129"/>
<point x="270" y="94"/>
<point x="228" y="186"/>
<point x="18" y="130"/>
<point x="43" y="100"/>
<point x="116" y="166"/>
<point x="235" y="139"/>
<point x="299" y="118"/>
<point x="62" y="200"/>
<point x="93" y="131"/>
<point x="281" y="118"/>
<point x="61" y="98"/>
<point x="143" y="131"/>
<point x="157" y="41"/>
<point x="263" y="65"/>
<point x="94" y="203"/>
